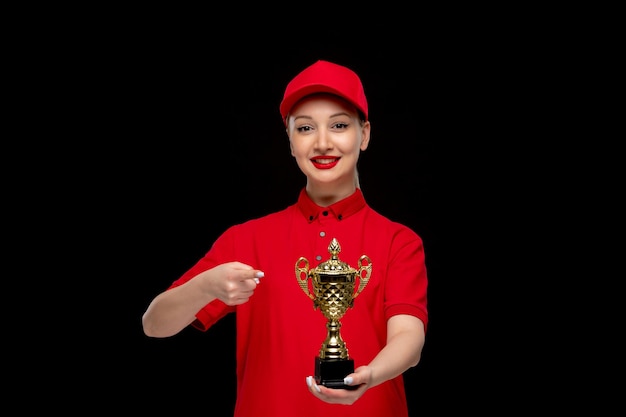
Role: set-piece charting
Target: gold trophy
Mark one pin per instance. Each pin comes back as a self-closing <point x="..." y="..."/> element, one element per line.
<point x="333" y="284"/>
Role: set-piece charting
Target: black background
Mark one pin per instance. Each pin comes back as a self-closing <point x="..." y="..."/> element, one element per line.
<point x="180" y="137"/>
<point x="136" y="134"/>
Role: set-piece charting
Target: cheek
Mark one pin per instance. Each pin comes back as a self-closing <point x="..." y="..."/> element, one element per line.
<point x="298" y="151"/>
<point x="298" y="154"/>
<point x="350" y="148"/>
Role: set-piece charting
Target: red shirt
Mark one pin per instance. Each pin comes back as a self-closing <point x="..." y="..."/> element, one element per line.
<point x="279" y="333"/>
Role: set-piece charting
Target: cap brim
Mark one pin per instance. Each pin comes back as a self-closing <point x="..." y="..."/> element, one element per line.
<point x="307" y="90"/>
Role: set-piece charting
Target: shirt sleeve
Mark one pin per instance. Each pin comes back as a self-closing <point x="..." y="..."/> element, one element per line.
<point x="407" y="283"/>
<point x="220" y="252"/>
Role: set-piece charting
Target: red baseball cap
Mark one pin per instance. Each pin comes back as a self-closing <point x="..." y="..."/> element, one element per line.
<point x="325" y="77"/>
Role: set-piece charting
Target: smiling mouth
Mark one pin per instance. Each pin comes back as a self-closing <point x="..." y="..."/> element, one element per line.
<point x="324" y="161"/>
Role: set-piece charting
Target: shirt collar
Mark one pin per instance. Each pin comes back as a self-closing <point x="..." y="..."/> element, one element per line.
<point x="341" y="209"/>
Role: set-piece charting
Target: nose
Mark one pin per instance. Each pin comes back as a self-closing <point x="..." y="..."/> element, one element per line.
<point x="324" y="140"/>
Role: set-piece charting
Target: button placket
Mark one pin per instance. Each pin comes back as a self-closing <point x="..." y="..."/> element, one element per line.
<point x="322" y="235"/>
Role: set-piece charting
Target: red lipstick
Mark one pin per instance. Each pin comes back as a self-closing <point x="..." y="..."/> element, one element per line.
<point x="324" y="162"/>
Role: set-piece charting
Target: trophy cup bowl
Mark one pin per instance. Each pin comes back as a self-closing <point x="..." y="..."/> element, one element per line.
<point x="332" y="289"/>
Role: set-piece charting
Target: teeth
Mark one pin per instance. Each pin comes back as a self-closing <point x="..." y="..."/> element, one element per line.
<point x="325" y="161"/>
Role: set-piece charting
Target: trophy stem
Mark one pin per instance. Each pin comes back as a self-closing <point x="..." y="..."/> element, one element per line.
<point x="333" y="363"/>
<point x="333" y="346"/>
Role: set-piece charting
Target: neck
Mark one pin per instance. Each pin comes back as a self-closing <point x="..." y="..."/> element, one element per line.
<point x="324" y="196"/>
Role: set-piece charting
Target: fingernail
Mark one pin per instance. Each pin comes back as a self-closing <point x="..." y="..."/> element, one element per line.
<point x="260" y="274"/>
<point x="309" y="382"/>
<point x="348" y="380"/>
<point x="257" y="280"/>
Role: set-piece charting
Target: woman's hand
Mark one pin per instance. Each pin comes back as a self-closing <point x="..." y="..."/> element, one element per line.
<point x="361" y="377"/>
<point x="233" y="282"/>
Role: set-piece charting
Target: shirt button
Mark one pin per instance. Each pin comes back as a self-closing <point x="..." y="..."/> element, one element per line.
<point x="325" y="213"/>
<point x="322" y="234"/>
<point x="318" y="258"/>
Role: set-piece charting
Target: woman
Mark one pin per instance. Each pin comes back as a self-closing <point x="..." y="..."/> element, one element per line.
<point x="252" y="270"/>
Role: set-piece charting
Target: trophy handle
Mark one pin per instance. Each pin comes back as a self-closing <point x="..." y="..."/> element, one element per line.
<point x="363" y="279"/>
<point x="302" y="275"/>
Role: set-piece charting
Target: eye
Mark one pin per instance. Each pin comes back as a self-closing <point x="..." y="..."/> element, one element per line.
<point x="340" y="125"/>
<point x="305" y="128"/>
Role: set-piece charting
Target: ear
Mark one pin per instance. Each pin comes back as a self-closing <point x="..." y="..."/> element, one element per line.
<point x="365" y="135"/>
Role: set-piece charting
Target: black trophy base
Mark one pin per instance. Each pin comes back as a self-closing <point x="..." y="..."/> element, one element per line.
<point x="331" y="372"/>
